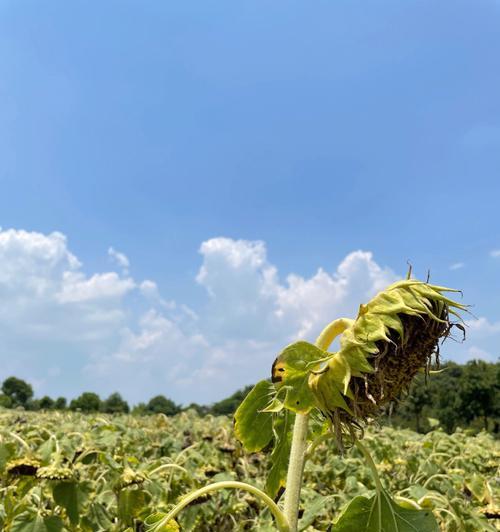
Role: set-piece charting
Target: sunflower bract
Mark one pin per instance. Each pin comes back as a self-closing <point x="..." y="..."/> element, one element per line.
<point x="393" y="337"/>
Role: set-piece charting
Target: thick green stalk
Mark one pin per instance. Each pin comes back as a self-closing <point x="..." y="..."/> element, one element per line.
<point x="299" y="439"/>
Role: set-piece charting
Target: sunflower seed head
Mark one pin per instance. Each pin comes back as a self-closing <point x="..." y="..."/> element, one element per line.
<point x="394" y="336"/>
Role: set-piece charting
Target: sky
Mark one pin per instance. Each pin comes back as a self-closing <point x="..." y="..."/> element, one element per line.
<point x="187" y="187"/>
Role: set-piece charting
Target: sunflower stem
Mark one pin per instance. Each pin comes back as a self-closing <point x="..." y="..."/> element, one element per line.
<point x="299" y="438"/>
<point x="296" y="471"/>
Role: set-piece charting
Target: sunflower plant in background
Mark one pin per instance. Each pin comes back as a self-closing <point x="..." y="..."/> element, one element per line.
<point x="317" y="395"/>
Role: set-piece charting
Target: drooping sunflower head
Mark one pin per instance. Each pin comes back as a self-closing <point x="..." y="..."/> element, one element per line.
<point x="395" y="336"/>
<point x="129" y="478"/>
<point x="55" y="472"/>
<point x="25" y="466"/>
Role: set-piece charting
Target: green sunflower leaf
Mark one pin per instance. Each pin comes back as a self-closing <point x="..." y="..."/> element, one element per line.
<point x="282" y="426"/>
<point x="253" y="427"/>
<point x="292" y="369"/>
<point x="381" y="513"/>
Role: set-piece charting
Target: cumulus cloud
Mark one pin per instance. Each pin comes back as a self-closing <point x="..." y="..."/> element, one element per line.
<point x="457" y="266"/>
<point x="495" y="253"/>
<point x="247" y="298"/>
<point x="71" y="330"/>
<point x="51" y="313"/>
<point x="75" y="287"/>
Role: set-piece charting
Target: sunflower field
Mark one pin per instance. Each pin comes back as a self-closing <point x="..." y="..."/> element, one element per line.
<point x="63" y="471"/>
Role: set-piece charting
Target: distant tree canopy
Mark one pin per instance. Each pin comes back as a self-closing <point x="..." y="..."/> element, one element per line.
<point x="87" y="402"/>
<point x="201" y="410"/>
<point x="161" y="405"/>
<point x="46" y="403"/>
<point x="458" y="396"/>
<point x="114" y="404"/>
<point x="17" y="390"/>
<point x="5" y="401"/>
<point x="60" y="403"/>
<point x="228" y="406"/>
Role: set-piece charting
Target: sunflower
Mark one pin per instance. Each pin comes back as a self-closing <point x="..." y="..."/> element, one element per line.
<point x="394" y="337"/>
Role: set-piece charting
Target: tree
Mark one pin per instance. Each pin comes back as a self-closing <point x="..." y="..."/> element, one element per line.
<point x="160" y="404"/>
<point x="46" y="403"/>
<point x="5" y="401"/>
<point x="414" y="404"/>
<point x="140" y="409"/>
<point x="87" y="402"/>
<point x="201" y="410"/>
<point x="478" y="391"/>
<point x="229" y="405"/>
<point x="19" y="391"/>
<point x="60" y="403"/>
<point x="446" y="401"/>
<point x="32" y="404"/>
<point x="114" y="404"/>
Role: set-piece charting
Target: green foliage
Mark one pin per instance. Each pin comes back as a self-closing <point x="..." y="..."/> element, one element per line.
<point x="5" y="401"/>
<point x="114" y="404"/>
<point x="140" y="409"/>
<point x="35" y="522"/>
<point x="46" y="403"/>
<point x="480" y="389"/>
<point x="60" y="403"/>
<point x="161" y="405"/>
<point x="282" y="428"/>
<point x="227" y="406"/>
<point x="203" y="410"/>
<point x="381" y="513"/>
<point x="19" y="391"/>
<point x="253" y="427"/>
<point x="457" y="396"/>
<point x="114" y="457"/>
<point x="291" y="372"/>
<point x="71" y="497"/>
<point x="87" y="402"/>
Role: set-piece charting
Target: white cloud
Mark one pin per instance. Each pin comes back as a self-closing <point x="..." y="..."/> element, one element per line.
<point x="119" y="258"/>
<point x="482" y="327"/>
<point x="75" y="287"/>
<point x="250" y="314"/>
<point x="482" y="341"/>
<point x="457" y="266"/>
<point x="476" y="352"/>
<point x="70" y="330"/>
<point x="51" y="313"/>
<point x="248" y="299"/>
<point x="495" y="253"/>
<point x="149" y="289"/>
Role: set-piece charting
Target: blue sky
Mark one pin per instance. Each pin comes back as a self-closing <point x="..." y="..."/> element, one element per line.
<point x="182" y="134"/>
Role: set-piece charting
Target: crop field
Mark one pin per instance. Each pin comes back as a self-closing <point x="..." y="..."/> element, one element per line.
<point x="68" y="471"/>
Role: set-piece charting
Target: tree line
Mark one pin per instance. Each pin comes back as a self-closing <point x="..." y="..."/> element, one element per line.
<point x="18" y="393"/>
<point x="458" y="395"/>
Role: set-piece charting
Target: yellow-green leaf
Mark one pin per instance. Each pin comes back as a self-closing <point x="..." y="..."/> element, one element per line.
<point x="292" y="369"/>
